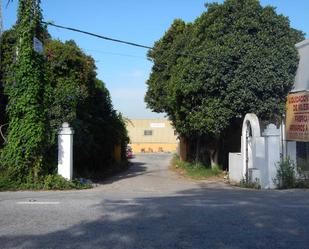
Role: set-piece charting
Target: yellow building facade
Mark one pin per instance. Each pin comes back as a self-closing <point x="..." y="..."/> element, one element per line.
<point x="152" y="135"/>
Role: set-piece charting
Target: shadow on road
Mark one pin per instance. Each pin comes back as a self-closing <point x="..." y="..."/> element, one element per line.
<point x="199" y="218"/>
<point x="134" y="170"/>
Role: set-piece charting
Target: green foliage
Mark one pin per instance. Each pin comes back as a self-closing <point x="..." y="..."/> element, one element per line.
<point x="56" y="182"/>
<point x="24" y="152"/>
<point x="79" y="98"/>
<point x="71" y="74"/>
<point x="40" y="92"/>
<point x="196" y="170"/>
<point x="290" y="176"/>
<point x="246" y="184"/>
<point x="286" y="174"/>
<point x="237" y="57"/>
<point x="7" y="45"/>
<point x="48" y="182"/>
<point x="302" y="178"/>
<point x="6" y="183"/>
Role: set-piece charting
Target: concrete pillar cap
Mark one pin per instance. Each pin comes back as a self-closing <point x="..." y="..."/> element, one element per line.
<point x="65" y="129"/>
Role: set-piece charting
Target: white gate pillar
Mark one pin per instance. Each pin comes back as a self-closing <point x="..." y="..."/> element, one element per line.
<point x="251" y="121"/>
<point x="65" y="151"/>
<point x="272" y="146"/>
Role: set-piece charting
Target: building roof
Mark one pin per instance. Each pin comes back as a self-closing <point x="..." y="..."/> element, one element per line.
<point x="302" y="44"/>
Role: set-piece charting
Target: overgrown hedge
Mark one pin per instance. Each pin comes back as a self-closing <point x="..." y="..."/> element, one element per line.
<point x="38" y="92"/>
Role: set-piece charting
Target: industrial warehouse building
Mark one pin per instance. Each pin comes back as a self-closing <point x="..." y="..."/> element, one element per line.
<point x="152" y="135"/>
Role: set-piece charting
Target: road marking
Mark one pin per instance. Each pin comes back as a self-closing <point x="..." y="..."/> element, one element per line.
<point x="124" y="202"/>
<point x="211" y="205"/>
<point x="38" y="202"/>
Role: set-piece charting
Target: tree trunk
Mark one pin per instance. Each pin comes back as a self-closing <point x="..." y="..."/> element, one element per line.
<point x="183" y="149"/>
<point x="214" y="155"/>
<point x="197" y="149"/>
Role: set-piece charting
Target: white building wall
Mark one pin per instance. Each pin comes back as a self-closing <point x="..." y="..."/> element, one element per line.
<point x="302" y="75"/>
<point x="301" y="84"/>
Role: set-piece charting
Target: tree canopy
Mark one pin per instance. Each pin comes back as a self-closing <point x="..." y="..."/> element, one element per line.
<point x="41" y="91"/>
<point x="78" y="97"/>
<point x="237" y="57"/>
<point x="23" y="154"/>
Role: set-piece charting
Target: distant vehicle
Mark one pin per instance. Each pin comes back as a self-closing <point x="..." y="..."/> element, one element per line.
<point x="129" y="152"/>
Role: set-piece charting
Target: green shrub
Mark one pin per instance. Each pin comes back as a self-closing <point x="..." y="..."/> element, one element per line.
<point x="56" y="182"/>
<point x="246" y="184"/>
<point x="302" y="177"/>
<point x="196" y="170"/>
<point x="49" y="182"/>
<point x="286" y="174"/>
<point x="5" y="183"/>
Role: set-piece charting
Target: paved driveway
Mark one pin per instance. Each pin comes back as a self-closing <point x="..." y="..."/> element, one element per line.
<point x="151" y="207"/>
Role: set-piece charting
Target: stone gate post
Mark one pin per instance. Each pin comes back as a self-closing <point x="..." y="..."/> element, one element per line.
<point x="65" y="151"/>
<point x="272" y="146"/>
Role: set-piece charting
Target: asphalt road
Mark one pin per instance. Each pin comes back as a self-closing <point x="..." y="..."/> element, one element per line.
<point x="151" y="207"/>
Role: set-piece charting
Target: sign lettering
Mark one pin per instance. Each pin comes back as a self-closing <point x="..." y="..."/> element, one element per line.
<point x="297" y="117"/>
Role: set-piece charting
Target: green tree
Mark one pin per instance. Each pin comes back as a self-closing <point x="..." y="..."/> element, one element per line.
<point x="23" y="154"/>
<point x="40" y="92"/>
<point x="7" y="56"/>
<point x="164" y="56"/>
<point x="75" y="95"/>
<point x="237" y="57"/>
<point x="78" y="97"/>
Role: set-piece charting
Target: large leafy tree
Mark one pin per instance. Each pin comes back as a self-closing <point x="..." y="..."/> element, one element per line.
<point x="7" y="50"/>
<point x="43" y="91"/>
<point x="23" y="154"/>
<point x="164" y="56"/>
<point x="78" y="97"/>
<point x="237" y="57"/>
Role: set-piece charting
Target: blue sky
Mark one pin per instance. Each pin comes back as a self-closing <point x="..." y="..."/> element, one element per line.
<point x="124" y="69"/>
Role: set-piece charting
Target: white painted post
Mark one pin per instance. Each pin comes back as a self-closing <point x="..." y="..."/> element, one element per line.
<point x="65" y="151"/>
<point x="283" y="138"/>
<point x="272" y="142"/>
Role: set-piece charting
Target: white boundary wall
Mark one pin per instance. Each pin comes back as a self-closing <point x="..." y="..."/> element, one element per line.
<point x="259" y="154"/>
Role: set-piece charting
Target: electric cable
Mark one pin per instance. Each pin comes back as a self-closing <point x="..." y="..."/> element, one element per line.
<point x="98" y="36"/>
<point x="115" y="40"/>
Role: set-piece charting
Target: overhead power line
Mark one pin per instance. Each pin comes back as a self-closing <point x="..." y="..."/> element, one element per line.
<point x="96" y="35"/>
<point x="117" y="40"/>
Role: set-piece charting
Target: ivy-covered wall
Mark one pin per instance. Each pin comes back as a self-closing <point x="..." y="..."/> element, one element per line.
<point x="40" y="91"/>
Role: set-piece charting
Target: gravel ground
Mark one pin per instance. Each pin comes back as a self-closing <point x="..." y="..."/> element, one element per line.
<point x="151" y="207"/>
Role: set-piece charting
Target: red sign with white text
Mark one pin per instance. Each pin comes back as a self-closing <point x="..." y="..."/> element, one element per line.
<point x="297" y="117"/>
